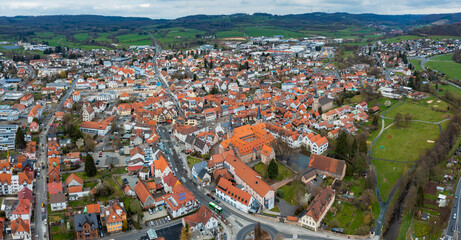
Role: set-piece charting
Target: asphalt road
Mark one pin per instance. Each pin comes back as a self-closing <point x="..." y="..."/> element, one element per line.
<point x="453" y="223"/>
<point x="40" y="190"/>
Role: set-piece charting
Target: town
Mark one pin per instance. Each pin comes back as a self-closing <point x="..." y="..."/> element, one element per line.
<point x="268" y="138"/>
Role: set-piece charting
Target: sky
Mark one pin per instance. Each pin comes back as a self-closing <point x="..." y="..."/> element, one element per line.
<point x="171" y="9"/>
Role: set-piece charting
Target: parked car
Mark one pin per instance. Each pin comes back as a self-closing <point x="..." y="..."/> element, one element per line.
<point x="454" y="215"/>
<point x="150" y="211"/>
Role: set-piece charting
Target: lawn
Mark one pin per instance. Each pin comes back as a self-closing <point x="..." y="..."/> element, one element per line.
<point x="388" y="173"/>
<point x="356" y="185"/>
<point x="191" y="161"/>
<point x="347" y="216"/>
<point x="444" y="57"/>
<point x="91" y="184"/>
<point x="417" y="64"/>
<point x="421" y="110"/>
<point x="451" y="69"/>
<point x="284" y="172"/>
<point x="450" y="88"/>
<point x="291" y="190"/>
<point x="405" y="144"/>
<point x="58" y="233"/>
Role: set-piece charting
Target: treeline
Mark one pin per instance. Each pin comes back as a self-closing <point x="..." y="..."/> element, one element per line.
<point x="457" y="56"/>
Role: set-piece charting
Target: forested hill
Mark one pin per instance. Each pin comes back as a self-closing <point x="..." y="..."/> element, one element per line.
<point x="93" y="30"/>
<point x="440" y="30"/>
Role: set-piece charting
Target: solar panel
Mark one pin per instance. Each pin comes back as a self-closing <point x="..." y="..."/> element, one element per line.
<point x="182" y="198"/>
<point x="181" y="194"/>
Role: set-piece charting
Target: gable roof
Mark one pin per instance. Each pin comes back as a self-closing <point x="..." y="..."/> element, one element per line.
<point x="19" y="225"/>
<point x="203" y="215"/>
<point x="74" y="177"/>
<point x="81" y="219"/>
<point x="327" y="164"/>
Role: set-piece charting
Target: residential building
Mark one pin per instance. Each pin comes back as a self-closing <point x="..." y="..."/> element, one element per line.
<point x="312" y="217"/>
<point x="236" y="197"/>
<point x="86" y="226"/>
<point x="58" y="202"/>
<point x="328" y="166"/>
<point x="20" y="229"/>
<point x="204" y="220"/>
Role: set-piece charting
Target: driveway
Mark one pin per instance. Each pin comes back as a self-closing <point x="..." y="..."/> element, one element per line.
<point x="286" y="209"/>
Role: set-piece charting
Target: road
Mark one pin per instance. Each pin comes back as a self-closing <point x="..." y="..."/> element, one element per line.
<point x="453" y="223"/>
<point x="41" y="227"/>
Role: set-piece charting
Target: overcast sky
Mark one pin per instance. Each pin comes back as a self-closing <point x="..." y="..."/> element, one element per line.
<point x="171" y="9"/>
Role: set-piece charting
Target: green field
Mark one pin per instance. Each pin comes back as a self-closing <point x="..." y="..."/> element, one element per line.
<point x="413" y="37"/>
<point x="421" y="110"/>
<point x="291" y="190"/>
<point x="404" y="144"/>
<point x="417" y="64"/>
<point x="81" y="36"/>
<point x="347" y="216"/>
<point x="445" y="65"/>
<point x="449" y="88"/>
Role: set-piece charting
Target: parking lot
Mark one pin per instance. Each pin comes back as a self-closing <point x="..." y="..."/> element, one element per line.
<point x="104" y="159"/>
<point x="158" y="222"/>
<point x="156" y="215"/>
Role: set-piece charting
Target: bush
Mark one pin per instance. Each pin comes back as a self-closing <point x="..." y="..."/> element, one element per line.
<point x="280" y="193"/>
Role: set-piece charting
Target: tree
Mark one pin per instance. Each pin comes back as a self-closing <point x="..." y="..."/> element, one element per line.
<point x="258" y="231"/>
<point x="272" y="169"/>
<point x="397" y="119"/>
<point x="90" y="167"/>
<point x="20" y="142"/>
<point x="353" y="149"/>
<point x="420" y="197"/>
<point x="410" y="198"/>
<point x="36" y="120"/>
<point x="367" y="198"/>
<point x="341" y="144"/>
<point x="185" y="233"/>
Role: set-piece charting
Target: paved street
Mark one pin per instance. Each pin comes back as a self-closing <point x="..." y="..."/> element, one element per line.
<point x="40" y="190"/>
<point x="454" y="226"/>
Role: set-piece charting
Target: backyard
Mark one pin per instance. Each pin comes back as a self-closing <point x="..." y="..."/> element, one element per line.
<point x="284" y="172"/>
<point x="292" y="192"/>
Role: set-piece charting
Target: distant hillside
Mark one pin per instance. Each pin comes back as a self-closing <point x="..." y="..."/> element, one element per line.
<point x="439" y="30"/>
<point x="87" y="31"/>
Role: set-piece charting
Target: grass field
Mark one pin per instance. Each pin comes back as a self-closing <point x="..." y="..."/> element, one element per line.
<point x="421" y="110"/>
<point x="413" y="37"/>
<point x="445" y="65"/>
<point x="417" y="64"/>
<point x="450" y="88"/>
<point x="404" y="144"/>
<point x="347" y="216"/>
<point x="284" y="172"/>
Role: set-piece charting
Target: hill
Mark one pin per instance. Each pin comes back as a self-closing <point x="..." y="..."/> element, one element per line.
<point x="440" y="30"/>
<point x="94" y="30"/>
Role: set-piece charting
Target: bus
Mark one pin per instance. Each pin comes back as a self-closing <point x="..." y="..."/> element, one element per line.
<point x="215" y="207"/>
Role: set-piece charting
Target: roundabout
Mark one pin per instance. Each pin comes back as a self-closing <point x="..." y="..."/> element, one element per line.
<point x="243" y="233"/>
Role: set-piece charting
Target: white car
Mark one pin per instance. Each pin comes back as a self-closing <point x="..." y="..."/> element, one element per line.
<point x="454" y="215"/>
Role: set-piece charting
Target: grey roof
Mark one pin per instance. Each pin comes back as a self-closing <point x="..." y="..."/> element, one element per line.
<point x="199" y="166"/>
<point x="81" y="219"/>
<point x="199" y="143"/>
<point x="190" y="139"/>
<point x="57" y="198"/>
<point x="325" y="100"/>
<point x="202" y="173"/>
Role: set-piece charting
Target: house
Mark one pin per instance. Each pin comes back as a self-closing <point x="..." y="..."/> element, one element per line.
<point x="310" y="175"/>
<point x="203" y="220"/>
<point x="146" y="198"/>
<point x="27" y="100"/>
<point x="76" y="192"/>
<point x="87" y="112"/>
<point x="23" y="210"/>
<point x="73" y="180"/>
<point x="35" y="112"/>
<point x="200" y="173"/>
<point x="86" y="226"/>
<point x="115" y="217"/>
<point x="236" y="197"/>
<point x="328" y="166"/>
<point x="312" y="217"/>
<point x="58" y="202"/>
<point x="34" y="127"/>
<point x="180" y="202"/>
<point x="20" y="229"/>
<point x="100" y="128"/>
<point x="55" y="187"/>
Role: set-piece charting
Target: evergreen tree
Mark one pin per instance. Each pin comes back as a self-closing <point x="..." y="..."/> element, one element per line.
<point x="341" y="144"/>
<point x="272" y="169"/>
<point x="90" y="167"/>
<point x="20" y="142"/>
<point x="353" y="149"/>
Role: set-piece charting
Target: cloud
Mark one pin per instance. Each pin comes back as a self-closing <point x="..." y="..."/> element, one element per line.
<point x="170" y="9"/>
